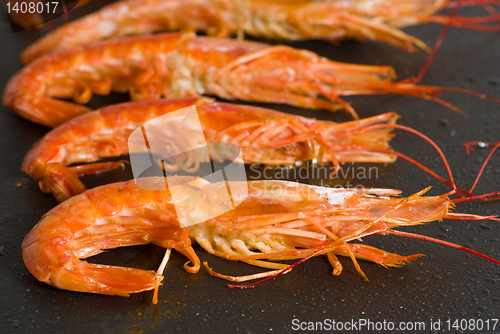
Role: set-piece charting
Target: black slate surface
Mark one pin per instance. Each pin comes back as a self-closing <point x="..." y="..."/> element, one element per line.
<point x="446" y="284"/>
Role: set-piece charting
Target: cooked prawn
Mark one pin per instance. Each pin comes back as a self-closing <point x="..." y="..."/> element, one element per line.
<point x="284" y="19"/>
<point x="264" y="136"/>
<point x="276" y="221"/>
<point x="179" y="65"/>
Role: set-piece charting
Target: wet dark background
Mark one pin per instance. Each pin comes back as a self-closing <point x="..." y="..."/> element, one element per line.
<point x="446" y="284"/>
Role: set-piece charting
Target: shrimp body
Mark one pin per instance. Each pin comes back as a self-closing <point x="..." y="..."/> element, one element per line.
<point x="284" y="19"/>
<point x="275" y="221"/>
<point x="263" y="135"/>
<point x="179" y="65"/>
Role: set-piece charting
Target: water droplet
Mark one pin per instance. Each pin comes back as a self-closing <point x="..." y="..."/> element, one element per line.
<point x="400" y="278"/>
<point x="494" y="280"/>
<point x="444" y="122"/>
<point x="445" y="228"/>
<point x="437" y="277"/>
<point x="417" y="278"/>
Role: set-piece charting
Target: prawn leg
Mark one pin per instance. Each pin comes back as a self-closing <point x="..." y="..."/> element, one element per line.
<point x="98" y="167"/>
<point x="58" y="180"/>
<point x="354" y="251"/>
<point x="335" y="263"/>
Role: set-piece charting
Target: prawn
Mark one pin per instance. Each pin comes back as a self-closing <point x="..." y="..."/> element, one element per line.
<point x="276" y="221"/>
<point x="284" y="19"/>
<point x="179" y="65"/>
<point x="264" y="136"/>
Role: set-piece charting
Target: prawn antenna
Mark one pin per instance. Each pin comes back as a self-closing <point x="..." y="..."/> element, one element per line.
<point x="437" y="44"/>
<point x="486" y="197"/>
<point x="450" y="183"/>
<point x="471" y="22"/>
<point x="495" y="15"/>
<point x="446" y="243"/>
<point x="460" y="22"/>
<point x="468" y="147"/>
<point x="469" y="196"/>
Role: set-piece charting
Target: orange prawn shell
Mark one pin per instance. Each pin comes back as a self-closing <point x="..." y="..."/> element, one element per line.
<point x="179" y="65"/>
<point x="85" y="208"/>
<point x="50" y="257"/>
<point x="25" y="92"/>
<point x="295" y="20"/>
<point x="105" y="133"/>
<point x="48" y="149"/>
